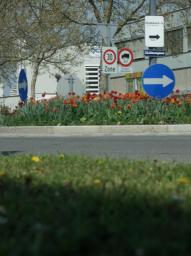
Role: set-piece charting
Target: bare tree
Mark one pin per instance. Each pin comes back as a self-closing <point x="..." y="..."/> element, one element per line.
<point x="8" y="46"/>
<point x="91" y="13"/>
<point x="35" y="32"/>
<point x="38" y="30"/>
<point x="43" y="33"/>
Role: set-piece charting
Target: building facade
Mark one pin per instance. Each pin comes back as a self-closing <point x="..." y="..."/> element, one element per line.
<point x="177" y="52"/>
<point x="177" y="57"/>
<point x="87" y="71"/>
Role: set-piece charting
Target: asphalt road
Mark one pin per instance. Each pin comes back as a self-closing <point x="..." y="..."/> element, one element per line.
<point x="171" y="148"/>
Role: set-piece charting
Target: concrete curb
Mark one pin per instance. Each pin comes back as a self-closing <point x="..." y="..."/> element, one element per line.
<point x="96" y="130"/>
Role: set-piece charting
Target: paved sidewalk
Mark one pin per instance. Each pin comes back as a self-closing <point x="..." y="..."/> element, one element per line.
<point x="96" y="130"/>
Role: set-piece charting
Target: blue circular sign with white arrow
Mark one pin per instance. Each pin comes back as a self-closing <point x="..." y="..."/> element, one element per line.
<point x="23" y="85"/>
<point x="158" y="81"/>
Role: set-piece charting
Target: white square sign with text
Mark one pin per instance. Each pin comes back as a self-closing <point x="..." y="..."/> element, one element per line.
<point x="154" y="31"/>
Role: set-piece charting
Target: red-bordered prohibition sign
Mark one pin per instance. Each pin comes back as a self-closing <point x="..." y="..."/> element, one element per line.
<point x="111" y="54"/>
<point x="125" y="57"/>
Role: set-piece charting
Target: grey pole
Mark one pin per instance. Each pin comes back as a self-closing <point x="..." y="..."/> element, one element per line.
<point x="152" y="12"/>
<point x="108" y="31"/>
<point x="108" y="28"/>
<point x="70" y="83"/>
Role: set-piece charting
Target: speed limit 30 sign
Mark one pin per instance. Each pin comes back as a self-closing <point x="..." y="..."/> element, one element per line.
<point x="109" y="60"/>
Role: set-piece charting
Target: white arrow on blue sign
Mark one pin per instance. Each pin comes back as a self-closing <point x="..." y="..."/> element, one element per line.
<point x="158" y="81"/>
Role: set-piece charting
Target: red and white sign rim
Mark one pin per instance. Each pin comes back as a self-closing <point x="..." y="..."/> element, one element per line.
<point x="119" y="56"/>
<point x="114" y="54"/>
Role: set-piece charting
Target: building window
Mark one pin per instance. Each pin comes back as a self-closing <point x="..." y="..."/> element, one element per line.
<point x="92" y="76"/>
<point x="174" y="41"/>
<point x="189" y="37"/>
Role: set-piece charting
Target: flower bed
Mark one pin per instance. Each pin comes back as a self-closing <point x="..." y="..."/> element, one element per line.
<point x="103" y="109"/>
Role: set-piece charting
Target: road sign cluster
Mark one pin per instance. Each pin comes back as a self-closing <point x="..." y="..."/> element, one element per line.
<point x="158" y="80"/>
<point x="111" y="58"/>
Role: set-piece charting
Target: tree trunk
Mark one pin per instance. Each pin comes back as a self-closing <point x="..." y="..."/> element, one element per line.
<point x="34" y="78"/>
<point x="103" y="83"/>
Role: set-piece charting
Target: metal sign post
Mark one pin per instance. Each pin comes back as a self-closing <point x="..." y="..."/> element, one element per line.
<point x="152" y="11"/>
<point x="107" y="30"/>
<point x="70" y="83"/>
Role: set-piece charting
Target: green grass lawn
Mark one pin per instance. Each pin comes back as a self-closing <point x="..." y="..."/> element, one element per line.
<point x="69" y="205"/>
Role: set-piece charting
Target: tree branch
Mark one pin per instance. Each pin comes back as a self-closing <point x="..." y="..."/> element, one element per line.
<point x="96" y="11"/>
<point x="129" y="18"/>
<point x="77" y="22"/>
<point x="109" y="11"/>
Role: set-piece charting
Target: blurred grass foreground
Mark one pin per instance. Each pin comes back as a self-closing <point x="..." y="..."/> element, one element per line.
<point x="69" y="205"/>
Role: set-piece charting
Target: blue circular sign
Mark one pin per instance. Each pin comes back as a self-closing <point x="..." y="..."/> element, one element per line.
<point x="158" y="81"/>
<point x="23" y="85"/>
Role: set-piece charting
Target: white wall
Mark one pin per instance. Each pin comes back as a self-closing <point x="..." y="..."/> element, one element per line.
<point x="11" y="102"/>
<point x="46" y="81"/>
